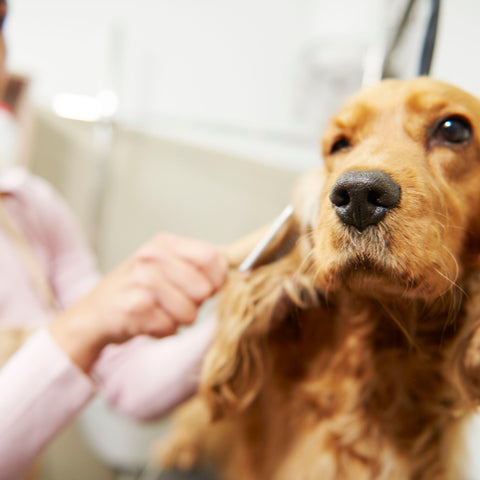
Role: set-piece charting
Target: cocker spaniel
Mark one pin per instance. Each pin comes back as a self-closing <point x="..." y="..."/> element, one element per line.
<point x="356" y="355"/>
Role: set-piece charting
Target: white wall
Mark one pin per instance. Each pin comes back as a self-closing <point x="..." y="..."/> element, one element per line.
<point x="212" y="59"/>
<point x="224" y="62"/>
<point x="250" y="65"/>
<point x="456" y="54"/>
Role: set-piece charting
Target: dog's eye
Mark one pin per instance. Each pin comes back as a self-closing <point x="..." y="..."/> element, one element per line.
<point x="341" y="144"/>
<point x="453" y="130"/>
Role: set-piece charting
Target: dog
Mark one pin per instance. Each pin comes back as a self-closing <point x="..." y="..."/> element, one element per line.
<point x="355" y="355"/>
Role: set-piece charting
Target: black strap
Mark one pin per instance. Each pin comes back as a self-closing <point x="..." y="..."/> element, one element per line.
<point x="429" y="42"/>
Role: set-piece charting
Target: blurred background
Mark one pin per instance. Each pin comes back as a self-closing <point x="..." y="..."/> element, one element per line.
<point x="196" y="116"/>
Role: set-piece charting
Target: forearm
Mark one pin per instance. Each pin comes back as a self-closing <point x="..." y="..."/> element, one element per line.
<point x="41" y="392"/>
<point x="77" y="339"/>
<point x="146" y="378"/>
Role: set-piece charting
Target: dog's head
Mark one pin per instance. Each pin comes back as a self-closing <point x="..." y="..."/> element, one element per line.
<point x="400" y="197"/>
<point x="394" y="213"/>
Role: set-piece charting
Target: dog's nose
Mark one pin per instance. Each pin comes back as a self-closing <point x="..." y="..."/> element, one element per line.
<point x="362" y="198"/>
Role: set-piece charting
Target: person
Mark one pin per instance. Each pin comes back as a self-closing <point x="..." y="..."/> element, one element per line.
<point x="84" y="335"/>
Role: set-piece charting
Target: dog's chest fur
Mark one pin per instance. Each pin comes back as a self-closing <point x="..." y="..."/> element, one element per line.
<point x="354" y="388"/>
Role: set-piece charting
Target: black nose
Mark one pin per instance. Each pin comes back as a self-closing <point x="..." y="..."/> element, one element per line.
<point x="363" y="198"/>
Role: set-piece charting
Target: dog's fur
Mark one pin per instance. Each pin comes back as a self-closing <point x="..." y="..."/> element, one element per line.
<point x="357" y="355"/>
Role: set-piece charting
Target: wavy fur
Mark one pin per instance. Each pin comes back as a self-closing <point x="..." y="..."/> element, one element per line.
<point x="357" y="355"/>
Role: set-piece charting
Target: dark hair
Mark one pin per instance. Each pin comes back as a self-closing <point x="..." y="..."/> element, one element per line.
<point x="3" y="12"/>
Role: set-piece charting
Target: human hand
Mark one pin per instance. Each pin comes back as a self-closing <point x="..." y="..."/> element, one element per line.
<point x="159" y="288"/>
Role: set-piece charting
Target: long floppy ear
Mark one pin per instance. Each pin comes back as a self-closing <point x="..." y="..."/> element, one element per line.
<point x="250" y="306"/>
<point x="465" y="359"/>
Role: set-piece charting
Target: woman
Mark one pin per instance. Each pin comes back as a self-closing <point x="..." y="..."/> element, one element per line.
<point x="78" y="347"/>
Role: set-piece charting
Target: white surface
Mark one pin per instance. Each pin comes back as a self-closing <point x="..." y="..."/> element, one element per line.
<point x="116" y="440"/>
<point x="243" y="64"/>
<point x="235" y="61"/>
<point x="472" y="464"/>
<point x="287" y="149"/>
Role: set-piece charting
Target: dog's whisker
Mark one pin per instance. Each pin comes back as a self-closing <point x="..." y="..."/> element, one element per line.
<point x="451" y="282"/>
<point x="401" y="326"/>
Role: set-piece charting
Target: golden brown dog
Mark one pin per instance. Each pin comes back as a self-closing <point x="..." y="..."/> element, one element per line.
<point x="357" y="355"/>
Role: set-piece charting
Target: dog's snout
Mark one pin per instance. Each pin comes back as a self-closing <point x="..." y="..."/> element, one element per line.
<point x="362" y="198"/>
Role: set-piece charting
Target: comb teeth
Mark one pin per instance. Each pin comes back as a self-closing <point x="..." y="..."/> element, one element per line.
<point x="266" y="239"/>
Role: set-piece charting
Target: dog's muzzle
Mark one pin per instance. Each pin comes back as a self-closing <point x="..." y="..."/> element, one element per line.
<point x="362" y="198"/>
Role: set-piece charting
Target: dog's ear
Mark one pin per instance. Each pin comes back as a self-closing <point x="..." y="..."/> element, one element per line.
<point x="465" y="358"/>
<point x="251" y="305"/>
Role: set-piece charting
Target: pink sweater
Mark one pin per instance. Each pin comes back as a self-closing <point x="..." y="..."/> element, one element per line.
<point x="41" y="390"/>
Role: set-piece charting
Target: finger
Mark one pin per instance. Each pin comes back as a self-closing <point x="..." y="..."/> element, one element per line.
<point x="208" y="258"/>
<point x="160" y="324"/>
<point x="145" y="316"/>
<point x="176" y="303"/>
<point x="204" y="256"/>
<point x="189" y="279"/>
<point x="183" y="274"/>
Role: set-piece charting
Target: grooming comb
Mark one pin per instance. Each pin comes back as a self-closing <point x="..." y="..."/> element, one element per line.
<point x="259" y="248"/>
